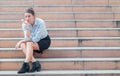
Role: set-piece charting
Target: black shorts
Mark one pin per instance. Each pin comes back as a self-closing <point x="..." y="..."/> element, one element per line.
<point x="43" y="44"/>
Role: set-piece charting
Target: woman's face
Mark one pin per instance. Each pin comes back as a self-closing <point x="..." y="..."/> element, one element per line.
<point x="29" y="18"/>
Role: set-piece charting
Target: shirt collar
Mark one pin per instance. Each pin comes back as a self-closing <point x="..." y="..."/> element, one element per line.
<point x="35" y="22"/>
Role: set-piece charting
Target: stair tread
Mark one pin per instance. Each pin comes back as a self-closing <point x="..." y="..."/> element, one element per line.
<point x="65" y="29"/>
<point x="2" y="13"/>
<point x="73" y="48"/>
<point x="66" y="5"/>
<point x="71" y="38"/>
<point x="60" y="59"/>
<point x="45" y="72"/>
<point x="109" y="20"/>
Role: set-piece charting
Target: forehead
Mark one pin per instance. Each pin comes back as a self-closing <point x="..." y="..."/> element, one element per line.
<point x="27" y="14"/>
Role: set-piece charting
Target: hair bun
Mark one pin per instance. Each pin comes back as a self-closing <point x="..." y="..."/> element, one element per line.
<point x="30" y="10"/>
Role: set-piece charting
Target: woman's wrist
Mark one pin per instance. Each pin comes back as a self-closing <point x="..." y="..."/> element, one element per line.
<point x="27" y="27"/>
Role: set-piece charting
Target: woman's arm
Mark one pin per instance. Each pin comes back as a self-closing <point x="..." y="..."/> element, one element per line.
<point x="20" y="42"/>
<point x="26" y="34"/>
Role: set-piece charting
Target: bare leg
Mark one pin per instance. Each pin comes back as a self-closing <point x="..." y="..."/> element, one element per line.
<point x="24" y="48"/>
<point x="29" y="51"/>
<point x="25" y="67"/>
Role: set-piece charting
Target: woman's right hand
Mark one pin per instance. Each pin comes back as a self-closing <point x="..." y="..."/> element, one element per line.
<point x="18" y="45"/>
<point x="25" y="21"/>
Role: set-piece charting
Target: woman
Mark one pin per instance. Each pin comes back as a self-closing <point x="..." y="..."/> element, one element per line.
<point x="36" y="39"/>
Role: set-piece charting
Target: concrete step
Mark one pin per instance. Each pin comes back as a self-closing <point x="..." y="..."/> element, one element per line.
<point x="19" y="33"/>
<point x="99" y="43"/>
<point x="114" y="2"/>
<point x="48" y="24"/>
<point x="66" y="29"/>
<point x="96" y="9"/>
<point x="57" y="43"/>
<point x="91" y="9"/>
<point x="61" y="25"/>
<point x="98" y="33"/>
<point x="66" y="63"/>
<point x="46" y="65"/>
<point x="98" y="24"/>
<point x="32" y="2"/>
<point x="116" y="9"/>
<point x="71" y="38"/>
<point x="63" y="59"/>
<point x="43" y="9"/>
<point x="80" y="16"/>
<point x="91" y="24"/>
<point x="91" y="2"/>
<point x="81" y="29"/>
<point x="73" y="48"/>
<point x="73" y="32"/>
<point x="85" y="48"/>
<point x="43" y="16"/>
<point x="38" y="12"/>
<point x="16" y="2"/>
<point x="11" y="53"/>
<point x="111" y="20"/>
<point x="61" y="8"/>
<point x="69" y="43"/>
<point x="47" y="54"/>
<point x="67" y="52"/>
<point x="97" y="2"/>
<point x="62" y="5"/>
<point x="53" y="2"/>
<point x="66" y="73"/>
<point x="100" y="53"/>
<point x="95" y="16"/>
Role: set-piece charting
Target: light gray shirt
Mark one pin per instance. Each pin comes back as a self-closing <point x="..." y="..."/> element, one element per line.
<point x="38" y="31"/>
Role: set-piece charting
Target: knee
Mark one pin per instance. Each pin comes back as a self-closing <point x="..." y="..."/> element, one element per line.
<point x="30" y="44"/>
<point x="22" y="45"/>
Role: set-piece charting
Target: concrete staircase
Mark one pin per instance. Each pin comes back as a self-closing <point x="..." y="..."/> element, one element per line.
<point x="85" y="37"/>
